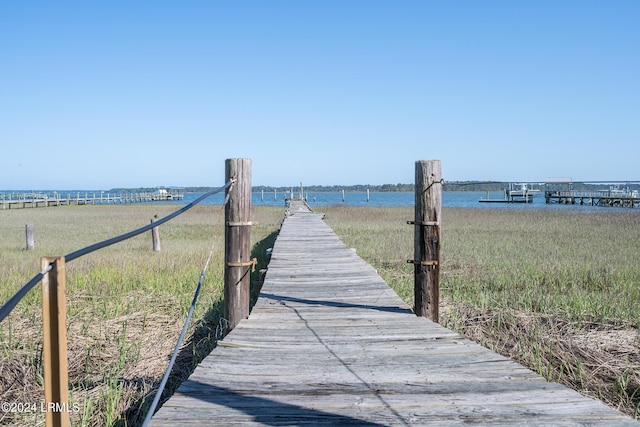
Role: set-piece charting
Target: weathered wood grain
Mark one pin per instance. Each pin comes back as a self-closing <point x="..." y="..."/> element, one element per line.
<point x="237" y="239"/>
<point x="329" y="343"/>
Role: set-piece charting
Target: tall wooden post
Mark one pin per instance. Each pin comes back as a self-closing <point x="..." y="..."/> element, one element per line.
<point x="30" y="235"/>
<point x="155" y="237"/>
<point x="237" y="242"/>
<point x="54" y="312"/>
<point x="428" y="208"/>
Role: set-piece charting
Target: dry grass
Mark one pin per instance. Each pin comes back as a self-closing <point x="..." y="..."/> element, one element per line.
<point x="598" y="359"/>
<point x="555" y="290"/>
<point x="126" y="305"/>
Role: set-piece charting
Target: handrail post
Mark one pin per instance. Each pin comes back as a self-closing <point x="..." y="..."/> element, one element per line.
<point x="237" y="234"/>
<point x="30" y="236"/>
<point x="54" y="312"/>
<point x="428" y="208"/>
<point x="155" y="237"/>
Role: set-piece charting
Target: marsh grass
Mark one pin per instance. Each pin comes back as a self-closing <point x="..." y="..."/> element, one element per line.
<point x="126" y="304"/>
<point x="557" y="290"/>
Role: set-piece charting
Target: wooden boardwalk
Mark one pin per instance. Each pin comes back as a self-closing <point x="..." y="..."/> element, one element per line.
<point x="329" y="343"/>
<point x="34" y="200"/>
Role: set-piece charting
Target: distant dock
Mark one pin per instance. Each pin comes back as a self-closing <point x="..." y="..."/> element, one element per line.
<point x="17" y="200"/>
<point x="516" y="193"/>
<point x="594" y="198"/>
<point x="561" y="192"/>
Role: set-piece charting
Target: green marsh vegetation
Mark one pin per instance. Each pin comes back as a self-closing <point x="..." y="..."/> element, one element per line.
<point x="126" y="304"/>
<point x="557" y="290"/>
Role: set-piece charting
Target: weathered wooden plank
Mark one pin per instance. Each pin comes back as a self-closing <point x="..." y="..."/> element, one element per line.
<point x="329" y="343"/>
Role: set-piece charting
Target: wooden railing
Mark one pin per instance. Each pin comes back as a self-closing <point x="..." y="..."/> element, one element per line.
<point x="236" y="272"/>
<point x="52" y="276"/>
<point x="33" y="199"/>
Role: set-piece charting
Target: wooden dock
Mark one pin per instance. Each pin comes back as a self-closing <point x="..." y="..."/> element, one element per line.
<point x="34" y="200"/>
<point x="594" y="198"/>
<point x="515" y="193"/>
<point x="330" y="343"/>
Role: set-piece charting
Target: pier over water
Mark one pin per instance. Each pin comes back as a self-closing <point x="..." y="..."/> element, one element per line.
<point x="34" y="199"/>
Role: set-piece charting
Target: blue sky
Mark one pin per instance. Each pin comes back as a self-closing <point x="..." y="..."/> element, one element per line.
<point x="110" y="94"/>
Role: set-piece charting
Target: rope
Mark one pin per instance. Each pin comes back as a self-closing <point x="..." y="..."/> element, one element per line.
<point x="175" y="351"/>
<point x="14" y="300"/>
<point x="187" y="321"/>
<point x="441" y="181"/>
<point x="9" y="305"/>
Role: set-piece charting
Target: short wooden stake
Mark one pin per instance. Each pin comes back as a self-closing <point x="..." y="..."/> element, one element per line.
<point x="30" y="235"/>
<point x="155" y="237"/>
<point x="54" y="312"/>
<point x="237" y="234"/>
<point x="428" y="208"/>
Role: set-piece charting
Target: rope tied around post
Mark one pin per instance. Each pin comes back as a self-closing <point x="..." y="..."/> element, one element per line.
<point x="413" y="261"/>
<point x="440" y="181"/>
<point x="252" y="263"/>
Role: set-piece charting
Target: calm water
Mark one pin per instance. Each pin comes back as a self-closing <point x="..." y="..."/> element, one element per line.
<point x="350" y="199"/>
<point x="449" y="199"/>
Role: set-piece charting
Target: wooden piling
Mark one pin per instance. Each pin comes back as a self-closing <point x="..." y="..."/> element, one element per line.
<point x="428" y="208"/>
<point x="155" y="237"/>
<point x="237" y="242"/>
<point x="30" y="236"/>
<point x="54" y="312"/>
